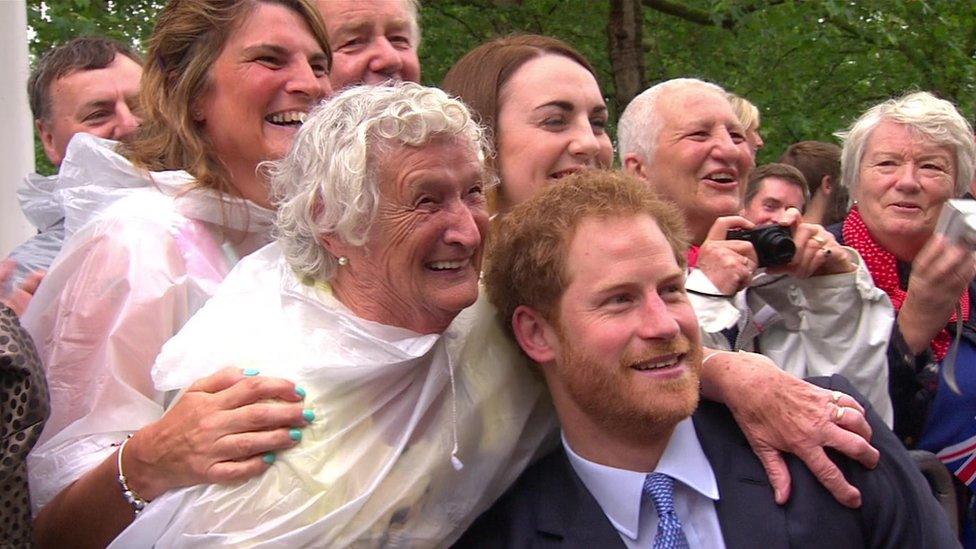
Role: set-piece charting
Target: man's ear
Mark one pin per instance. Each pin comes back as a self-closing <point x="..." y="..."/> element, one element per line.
<point x="534" y="334"/>
<point x="634" y="166"/>
<point x="47" y="140"/>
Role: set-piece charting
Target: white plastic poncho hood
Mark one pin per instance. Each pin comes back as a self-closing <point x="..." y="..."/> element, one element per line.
<point x="375" y="467"/>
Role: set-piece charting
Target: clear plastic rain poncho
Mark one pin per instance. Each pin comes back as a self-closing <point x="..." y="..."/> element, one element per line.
<point x="148" y="252"/>
<point x="49" y="201"/>
<point x="375" y="468"/>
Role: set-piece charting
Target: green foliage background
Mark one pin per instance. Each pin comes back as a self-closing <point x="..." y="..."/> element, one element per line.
<point x="811" y="66"/>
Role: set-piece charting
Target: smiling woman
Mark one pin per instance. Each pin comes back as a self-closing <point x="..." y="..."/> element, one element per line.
<point x="225" y="87"/>
<point x="382" y="219"/>
<point x="541" y="98"/>
<point x="902" y="160"/>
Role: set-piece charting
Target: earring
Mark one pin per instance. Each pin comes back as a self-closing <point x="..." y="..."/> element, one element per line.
<point x="343" y="260"/>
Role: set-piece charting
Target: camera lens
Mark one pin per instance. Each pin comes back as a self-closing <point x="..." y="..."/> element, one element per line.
<point x="775" y="247"/>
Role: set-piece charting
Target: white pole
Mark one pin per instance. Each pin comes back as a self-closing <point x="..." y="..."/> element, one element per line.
<point x="16" y="126"/>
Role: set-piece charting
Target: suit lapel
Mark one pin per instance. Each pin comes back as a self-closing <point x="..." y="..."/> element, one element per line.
<point x="747" y="513"/>
<point x="568" y="511"/>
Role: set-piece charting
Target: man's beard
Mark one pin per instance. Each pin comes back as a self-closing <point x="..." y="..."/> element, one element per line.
<point x="623" y="403"/>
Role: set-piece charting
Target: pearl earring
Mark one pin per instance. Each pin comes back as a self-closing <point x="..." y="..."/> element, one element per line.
<point x="343" y="260"/>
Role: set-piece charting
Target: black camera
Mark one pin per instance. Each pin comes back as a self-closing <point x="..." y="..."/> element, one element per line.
<point x="773" y="243"/>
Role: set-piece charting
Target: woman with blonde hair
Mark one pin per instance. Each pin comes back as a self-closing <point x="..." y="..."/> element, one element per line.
<point x="225" y="87"/>
<point x="748" y="115"/>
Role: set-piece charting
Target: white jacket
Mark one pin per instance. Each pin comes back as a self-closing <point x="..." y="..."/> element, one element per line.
<point x="818" y="326"/>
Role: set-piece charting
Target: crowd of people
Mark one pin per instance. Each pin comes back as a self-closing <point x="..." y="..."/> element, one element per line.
<point x="284" y="295"/>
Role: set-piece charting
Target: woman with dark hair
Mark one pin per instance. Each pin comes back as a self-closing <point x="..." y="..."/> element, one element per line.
<point x="542" y="100"/>
<point x="225" y="87"/>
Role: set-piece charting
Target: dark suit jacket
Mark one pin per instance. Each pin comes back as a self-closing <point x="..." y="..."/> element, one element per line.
<point x="550" y="506"/>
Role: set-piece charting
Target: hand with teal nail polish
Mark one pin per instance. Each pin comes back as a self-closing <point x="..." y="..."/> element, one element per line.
<point x="308" y="415"/>
<point x="254" y="410"/>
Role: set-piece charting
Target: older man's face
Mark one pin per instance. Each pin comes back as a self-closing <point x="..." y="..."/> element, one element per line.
<point x="101" y="102"/>
<point x="701" y="158"/>
<point x="372" y="41"/>
<point x="629" y="352"/>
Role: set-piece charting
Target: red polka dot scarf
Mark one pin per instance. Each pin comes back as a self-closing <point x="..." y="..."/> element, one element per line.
<point x="883" y="267"/>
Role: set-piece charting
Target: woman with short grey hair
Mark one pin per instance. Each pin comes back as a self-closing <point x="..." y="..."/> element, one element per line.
<point x="902" y="160"/>
<point x="381" y="221"/>
<point x="937" y="120"/>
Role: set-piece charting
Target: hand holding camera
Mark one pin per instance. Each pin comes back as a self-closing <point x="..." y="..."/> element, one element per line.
<point x="958" y="222"/>
<point x="729" y="264"/>
<point x="941" y="271"/>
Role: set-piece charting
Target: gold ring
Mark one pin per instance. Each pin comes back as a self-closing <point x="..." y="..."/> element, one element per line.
<point x="835" y="396"/>
<point x="840" y="413"/>
<point x="819" y="240"/>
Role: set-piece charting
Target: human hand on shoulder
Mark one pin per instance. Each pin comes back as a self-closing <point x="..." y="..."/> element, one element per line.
<point x="778" y="412"/>
<point x="219" y="431"/>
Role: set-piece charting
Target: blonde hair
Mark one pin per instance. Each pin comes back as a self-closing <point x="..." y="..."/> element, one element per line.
<point x="745" y="111"/>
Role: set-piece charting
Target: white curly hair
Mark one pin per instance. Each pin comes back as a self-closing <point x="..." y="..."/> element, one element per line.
<point x="327" y="183"/>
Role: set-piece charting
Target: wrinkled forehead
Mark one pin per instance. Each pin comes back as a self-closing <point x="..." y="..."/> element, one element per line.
<point x="889" y="133"/>
<point x="695" y="105"/>
<point x="456" y="153"/>
<point x="365" y="16"/>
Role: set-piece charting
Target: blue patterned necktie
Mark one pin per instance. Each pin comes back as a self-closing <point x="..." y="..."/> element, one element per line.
<point x="669" y="533"/>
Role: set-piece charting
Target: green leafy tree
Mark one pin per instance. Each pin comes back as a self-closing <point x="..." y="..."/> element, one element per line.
<point x="811" y="66"/>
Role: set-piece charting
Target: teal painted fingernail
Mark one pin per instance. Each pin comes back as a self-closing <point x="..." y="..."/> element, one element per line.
<point x="309" y="415"/>
<point x="299" y="391"/>
<point x="295" y="435"/>
<point x="251" y="372"/>
<point x="269" y="458"/>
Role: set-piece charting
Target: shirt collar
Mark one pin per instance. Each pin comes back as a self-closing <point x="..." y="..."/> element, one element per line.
<point x="618" y="491"/>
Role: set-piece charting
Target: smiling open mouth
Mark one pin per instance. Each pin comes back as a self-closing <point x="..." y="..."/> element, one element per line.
<point x="448" y="265"/>
<point x="721" y="178"/>
<point x="658" y="364"/>
<point x="564" y="173"/>
<point x="289" y="118"/>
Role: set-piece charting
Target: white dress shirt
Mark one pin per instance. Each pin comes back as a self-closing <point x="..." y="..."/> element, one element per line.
<point x="619" y="492"/>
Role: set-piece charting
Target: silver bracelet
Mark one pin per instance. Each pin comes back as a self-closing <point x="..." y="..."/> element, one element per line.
<point x="134" y="499"/>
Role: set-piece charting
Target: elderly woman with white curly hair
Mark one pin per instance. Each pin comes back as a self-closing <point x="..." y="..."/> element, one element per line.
<point x="902" y="160"/>
<point x="381" y="221"/>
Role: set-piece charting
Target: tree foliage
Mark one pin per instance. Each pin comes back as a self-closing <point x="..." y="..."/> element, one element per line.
<point x="811" y="66"/>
